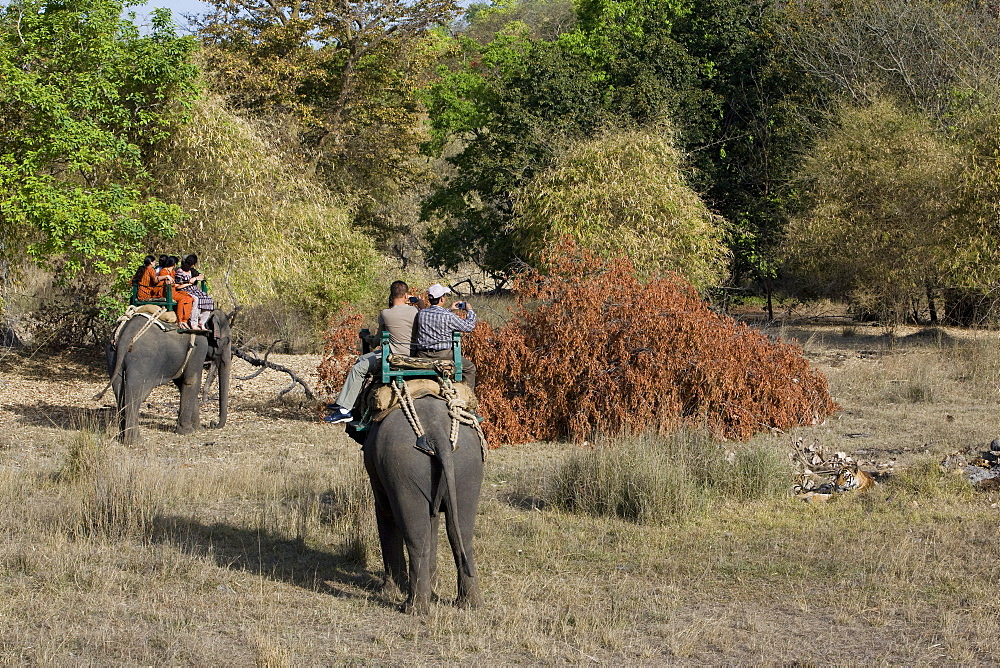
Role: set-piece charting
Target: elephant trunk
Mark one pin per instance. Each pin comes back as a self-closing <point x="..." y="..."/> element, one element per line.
<point x="225" y="366"/>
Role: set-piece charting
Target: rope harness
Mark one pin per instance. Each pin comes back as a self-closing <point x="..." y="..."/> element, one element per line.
<point x="152" y="318"/>
<point x="460" y="414"/>
<point x="457" y="411"/>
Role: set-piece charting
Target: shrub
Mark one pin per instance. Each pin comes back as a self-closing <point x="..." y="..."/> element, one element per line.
<point x="624" y="193"/>
<point x="340" y="343"/>
<point x="652" y="480"/>
<point x="591" y="348"/>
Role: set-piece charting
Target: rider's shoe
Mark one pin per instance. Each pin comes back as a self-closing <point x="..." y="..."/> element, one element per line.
<point x="339" y="414"/>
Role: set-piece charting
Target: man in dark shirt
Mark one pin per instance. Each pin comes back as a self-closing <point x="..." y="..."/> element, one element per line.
<point x="435" y="325"/>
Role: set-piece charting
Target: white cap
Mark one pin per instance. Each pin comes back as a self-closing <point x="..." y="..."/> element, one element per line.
<point x="437" y="291"/>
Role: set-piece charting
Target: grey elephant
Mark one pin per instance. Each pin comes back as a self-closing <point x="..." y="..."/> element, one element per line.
<point x="412" y="487"/>
<point x="144" y="357"/>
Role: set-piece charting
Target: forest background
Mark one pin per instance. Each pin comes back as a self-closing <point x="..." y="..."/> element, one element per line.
<point x="312" y="152"/>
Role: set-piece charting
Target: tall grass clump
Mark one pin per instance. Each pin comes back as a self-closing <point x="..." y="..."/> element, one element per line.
<point x="652" y="479"/>
<point x="977" y="364"/>
<point x="348" y="508"/>
<point x="332" y="508"/>
<point x="110" y="495"/>
<point x="926" y="479"/>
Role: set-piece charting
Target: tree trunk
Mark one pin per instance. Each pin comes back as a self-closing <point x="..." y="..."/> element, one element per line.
<point x="931" y="305"/>
<point x="770" y="302"/>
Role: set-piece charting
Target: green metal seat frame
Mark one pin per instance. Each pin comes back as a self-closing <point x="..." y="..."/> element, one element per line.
<point x="167" y="302"/>
<point x="389" y="374"/>
<point x="168" y="296"/>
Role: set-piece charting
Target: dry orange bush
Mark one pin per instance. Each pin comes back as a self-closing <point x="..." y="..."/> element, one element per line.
<point x="340" y="350"/>
<point x="591" y="348"/>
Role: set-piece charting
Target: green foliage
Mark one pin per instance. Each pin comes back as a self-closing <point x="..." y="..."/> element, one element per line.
<point x="83" y="100"/>
<point x="338" y="83"/>
<point x="625" y="193"/>
<point x="882" y="219"/>
<point x="509" y="106"/>
<point x="710" y="68"/>
<point x="546" y="19"/>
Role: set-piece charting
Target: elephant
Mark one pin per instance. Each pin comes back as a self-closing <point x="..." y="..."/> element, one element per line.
<point x="411" y="487"/>
<point x="137" y="365"/>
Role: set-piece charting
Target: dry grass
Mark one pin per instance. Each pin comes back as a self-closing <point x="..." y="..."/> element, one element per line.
<point x="255" y="545"/>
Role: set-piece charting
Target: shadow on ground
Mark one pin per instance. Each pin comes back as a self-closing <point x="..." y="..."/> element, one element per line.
<point x="291" y="561"/>
<point x="848" y="337"/>
<point x="44" y="414"/>
<point x="71" y="366"/>
<point x="303" y="411"/>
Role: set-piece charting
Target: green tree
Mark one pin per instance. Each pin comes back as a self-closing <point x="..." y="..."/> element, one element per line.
<point x="501" y="114"/>
<point x="710" y="69"/>
<point x="84" y="98"/>
<point x="337" y="82"/>
<point x="625" y="193"/>
<point x="546" y="19"/>
<point x="884" y="220"/>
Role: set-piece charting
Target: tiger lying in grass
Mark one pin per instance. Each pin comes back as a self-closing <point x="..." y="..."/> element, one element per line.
<point x="849" y="479"/>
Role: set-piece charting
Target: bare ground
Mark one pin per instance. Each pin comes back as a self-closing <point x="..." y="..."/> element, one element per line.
<point x="248" y="562"/>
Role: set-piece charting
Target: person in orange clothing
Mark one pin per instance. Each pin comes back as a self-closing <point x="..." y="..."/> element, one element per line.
<point x="168" y="268"/>
<point x="150" y="285"/>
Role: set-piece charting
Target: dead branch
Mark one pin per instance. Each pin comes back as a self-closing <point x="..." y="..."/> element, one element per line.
<point x="255" y="361"/>
<point x="262" y="366"/>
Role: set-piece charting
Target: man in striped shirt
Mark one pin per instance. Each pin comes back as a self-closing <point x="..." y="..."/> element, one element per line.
<point x="435" y="325"/>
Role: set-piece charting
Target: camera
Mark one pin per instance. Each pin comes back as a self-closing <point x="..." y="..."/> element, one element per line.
<point x="461" y="305"/>
<point x="414" y="300"/>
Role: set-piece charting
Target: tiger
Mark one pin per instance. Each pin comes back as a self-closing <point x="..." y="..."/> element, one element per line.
<point x="852" y="478"/>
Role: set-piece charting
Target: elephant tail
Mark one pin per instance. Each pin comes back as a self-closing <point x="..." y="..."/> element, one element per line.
<point x="445" y="456"/>
<point x="119" y="358"/>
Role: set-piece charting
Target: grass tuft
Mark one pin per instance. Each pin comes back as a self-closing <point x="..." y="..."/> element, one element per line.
<point x="653" y="479"/>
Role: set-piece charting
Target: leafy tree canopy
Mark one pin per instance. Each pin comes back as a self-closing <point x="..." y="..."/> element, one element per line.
<point x="884" y="217"/>
<point x="337" y="81"/>
<point x="707" y="68"/>
<point x="509" y="105"/>
<point x="83" y="99"/>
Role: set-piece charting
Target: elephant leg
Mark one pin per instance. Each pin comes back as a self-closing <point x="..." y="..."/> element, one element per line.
<point x="389" y="536"/>
<point x="134" y="391"/>
<point x="119" y="389"/>
<point x="433" y="566"/>
<point x="412" y="511"/>
<point x="188" y="419"/>
<point x="419" y="548"/>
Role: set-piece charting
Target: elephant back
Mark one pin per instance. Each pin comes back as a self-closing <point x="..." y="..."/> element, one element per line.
<point x="435" y="419"/>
